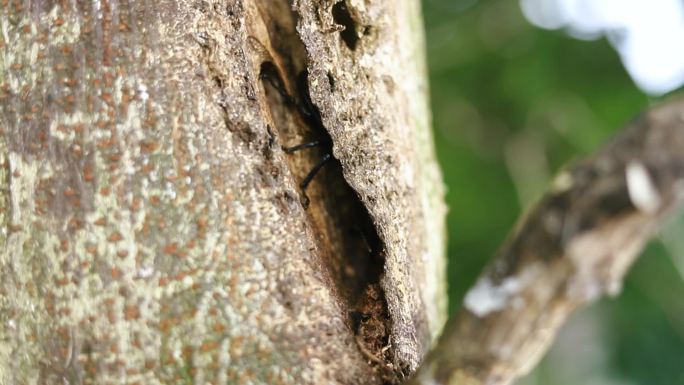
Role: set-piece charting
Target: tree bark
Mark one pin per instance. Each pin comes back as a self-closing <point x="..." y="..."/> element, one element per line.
<point x="155" y="230"/>
<point x="153" y="227"/>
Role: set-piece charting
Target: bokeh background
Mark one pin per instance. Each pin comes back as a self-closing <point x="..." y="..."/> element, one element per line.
<point x="513" y="102"/>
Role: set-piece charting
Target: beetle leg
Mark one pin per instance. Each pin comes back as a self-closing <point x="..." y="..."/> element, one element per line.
<point x="309" y="177"/>
<point x="299" y="147"/>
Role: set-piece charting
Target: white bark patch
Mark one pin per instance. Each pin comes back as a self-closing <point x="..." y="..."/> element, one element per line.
<point x="486" y="297"/>
<point x="642" y="192"/>
<point x="562" y="182"/>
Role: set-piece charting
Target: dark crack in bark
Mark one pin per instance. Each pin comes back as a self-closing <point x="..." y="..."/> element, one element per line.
<point x="346" y="236"/>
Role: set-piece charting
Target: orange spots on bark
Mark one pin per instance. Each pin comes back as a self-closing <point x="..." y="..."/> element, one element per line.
<point x="236" y="345"/>
<point x="75" y="223"/>
<point x="107" y="97"/>
<point x="135" y="204"/>
<point x="219" y="328"/>
<point x="115" y="157"/>
<point x="202" y="223"/>
<point x="209" y="346"/>
<point x="164" y="325"/>
<point x="190" y="244"/>
<point x="150" y="364"/>
<point x="149" y="146"/>
<point x="116" y="273"/>
<point x="171" y="248"/>
<point x="131" y="312"/>
<point x="64" y="245"/>
<point x="104" y="143"/>
<point x="115" y="237"/>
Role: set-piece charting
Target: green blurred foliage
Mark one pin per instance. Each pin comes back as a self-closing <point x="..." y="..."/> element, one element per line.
<point x="511" y="105"/>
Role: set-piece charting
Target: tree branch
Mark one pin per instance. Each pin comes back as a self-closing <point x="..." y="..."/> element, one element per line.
<point x="575" y="245"/>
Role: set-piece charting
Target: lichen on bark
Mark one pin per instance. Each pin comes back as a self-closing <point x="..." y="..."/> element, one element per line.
<point x="151" y="223"/>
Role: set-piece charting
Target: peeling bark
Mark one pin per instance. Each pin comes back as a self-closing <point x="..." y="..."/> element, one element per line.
<point x="575" y="245"/>
<point x="152" y="225"/>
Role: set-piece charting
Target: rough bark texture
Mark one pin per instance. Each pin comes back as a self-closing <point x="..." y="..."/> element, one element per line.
<point x="575" y="245"/>
<point x="152" y="228"/>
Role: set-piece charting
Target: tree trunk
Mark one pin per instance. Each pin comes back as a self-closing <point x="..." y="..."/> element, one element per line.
<point x="153" y="226"/>
<point x="158" y="227"/>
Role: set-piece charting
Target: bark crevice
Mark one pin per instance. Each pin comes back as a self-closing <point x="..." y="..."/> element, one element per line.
<point x="343" y="230"/>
